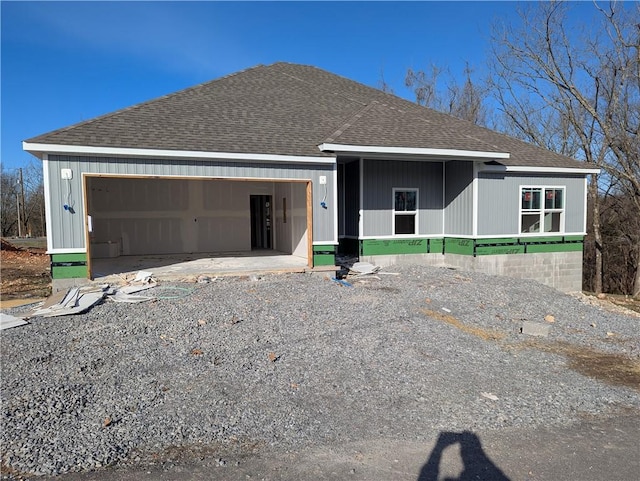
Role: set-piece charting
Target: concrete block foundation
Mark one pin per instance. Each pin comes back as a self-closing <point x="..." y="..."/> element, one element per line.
<point x="560" y="270"/>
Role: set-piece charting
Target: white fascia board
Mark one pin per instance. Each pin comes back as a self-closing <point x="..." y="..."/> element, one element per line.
<point x="454" y="153"/>
<point x="539" y="170"/>
<point x="172" y="154"/>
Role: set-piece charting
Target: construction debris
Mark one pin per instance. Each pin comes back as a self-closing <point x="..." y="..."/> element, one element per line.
<point x="8" y="321"/>
<point x="121" y="296"/>
<point x="74" y="301"/>
<point x="77" y="300"/>
<point x="363" y="268"/>
<point x="342" y="282"/>
<point x="535" y="329"/>
<point x="144" y="280"/>
<point x="489" y="395"/>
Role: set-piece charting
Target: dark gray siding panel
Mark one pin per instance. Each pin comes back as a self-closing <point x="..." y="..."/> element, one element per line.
<point x="499" y="198"/>
<point x="458" y="211"/>
<point x="67" y="229"/>
<point x="379" y="179"/>
<point x="351" y="197"/>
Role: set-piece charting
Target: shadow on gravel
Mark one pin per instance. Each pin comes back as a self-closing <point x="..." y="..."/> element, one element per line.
<point x="476" y="464"/>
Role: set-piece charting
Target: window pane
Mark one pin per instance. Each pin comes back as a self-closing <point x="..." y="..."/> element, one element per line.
<point x="405" y="200"/>
<point x="530" y="222"/>
<point x="549" y="198"/>
<point x="552" y="222"/>
<point x="553" y="199"/>
<point x="405" y="224"/>
<point x="411" y="200"/>
<point x="559" y="204"/>
<point x="526" y="199"/>
<point x="531" y="198"/>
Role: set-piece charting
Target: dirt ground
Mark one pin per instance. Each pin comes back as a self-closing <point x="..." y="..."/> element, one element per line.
<point x="24" y="270"/>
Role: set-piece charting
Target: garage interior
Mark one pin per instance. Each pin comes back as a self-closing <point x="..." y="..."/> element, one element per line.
<point x="196" y="225"/>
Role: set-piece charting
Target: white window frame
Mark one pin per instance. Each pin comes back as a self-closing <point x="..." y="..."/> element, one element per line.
<point x="542" y="210"/>
<point x="394" y="212"/>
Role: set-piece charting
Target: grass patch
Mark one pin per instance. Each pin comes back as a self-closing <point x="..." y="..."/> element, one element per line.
<point x="485" y="334"/>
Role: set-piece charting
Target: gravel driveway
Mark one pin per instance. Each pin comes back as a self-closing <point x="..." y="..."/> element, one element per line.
<point x="291" y="361"/>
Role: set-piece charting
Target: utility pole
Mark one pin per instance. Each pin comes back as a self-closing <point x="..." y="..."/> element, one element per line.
<point x="21" y="205"/>
<point x="19" y="219"/>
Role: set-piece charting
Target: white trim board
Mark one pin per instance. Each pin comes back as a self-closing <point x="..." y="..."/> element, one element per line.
<point x="466" y="236"/>
<point x="534" y="170"/>
<point x="372" y="149"/>
<point x="47" y="204"/>
<point x="70" y="250"/>
<point x="402" y="237"/>
<point x="36" y="149"/>
<point x="335" y="201"/>
<point x="474" y="196"/>
<point x="282" y="180"/>
<point x="500" y="236"/>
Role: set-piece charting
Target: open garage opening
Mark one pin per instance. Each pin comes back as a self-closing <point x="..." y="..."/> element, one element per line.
<point x="187" y="226"/>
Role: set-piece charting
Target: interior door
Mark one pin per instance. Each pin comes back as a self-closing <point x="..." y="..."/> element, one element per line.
<point x="261" y="221"/>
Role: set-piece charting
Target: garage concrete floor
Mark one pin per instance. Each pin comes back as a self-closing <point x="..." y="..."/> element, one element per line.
<point x="189" y="266"/>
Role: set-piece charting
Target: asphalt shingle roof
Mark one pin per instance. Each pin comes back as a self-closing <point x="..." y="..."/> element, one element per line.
<point x="289" y="109"/>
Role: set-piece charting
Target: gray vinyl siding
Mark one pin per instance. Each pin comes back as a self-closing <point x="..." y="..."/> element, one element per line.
<point x="67" y="229"/>
<point x="499" y="199"/>
<point x="380" y="177"/>
<point x="458" y="211"/>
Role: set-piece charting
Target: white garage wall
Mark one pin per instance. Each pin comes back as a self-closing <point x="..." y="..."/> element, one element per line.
<point x="282" y="195"/>
<point x="299" y="218"/>
<point x="291" y="236"/>
<point x="165" y="216"/>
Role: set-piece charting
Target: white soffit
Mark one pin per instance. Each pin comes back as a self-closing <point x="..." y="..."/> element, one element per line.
<point x="411" y="151"/>
<point x="36" y="149"/>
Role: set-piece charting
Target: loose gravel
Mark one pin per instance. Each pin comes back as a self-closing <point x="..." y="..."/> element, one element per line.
<point x="291" y="361"/>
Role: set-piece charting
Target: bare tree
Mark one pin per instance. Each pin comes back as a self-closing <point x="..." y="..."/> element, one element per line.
<point x="9" y="206"/>
<point x="22" y="193"/>
<point x="33" y="209"/>
<point x="383" y="85"/>
<point x="463" y="100"/>
<point x="425" y="87"/>
<point x="466" y="101"/>
<point x="578" y="93"/>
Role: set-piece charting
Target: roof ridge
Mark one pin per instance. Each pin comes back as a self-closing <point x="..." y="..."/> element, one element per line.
<point x="308" y="82"/>
<point x="145" y="102"/>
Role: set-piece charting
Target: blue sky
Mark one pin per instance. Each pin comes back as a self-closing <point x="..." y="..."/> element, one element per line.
<point x="64" y="62"/>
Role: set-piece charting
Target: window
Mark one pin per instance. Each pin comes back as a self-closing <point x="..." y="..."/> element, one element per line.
<point x="541" y="209"/>
<point x="405" y="211"/>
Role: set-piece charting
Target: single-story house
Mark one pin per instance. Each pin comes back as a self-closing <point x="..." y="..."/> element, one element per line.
<point x="300" y="161"/>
